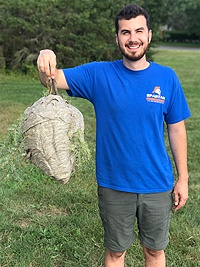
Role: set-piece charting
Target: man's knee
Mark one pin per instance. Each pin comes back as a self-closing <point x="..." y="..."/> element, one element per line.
<point x="152" y="253"/>
<point x="116" y="255"/>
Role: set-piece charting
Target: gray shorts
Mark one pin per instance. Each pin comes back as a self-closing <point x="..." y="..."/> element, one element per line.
<point x="118" y="211"/>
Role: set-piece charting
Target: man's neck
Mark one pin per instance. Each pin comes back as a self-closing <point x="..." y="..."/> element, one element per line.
<point x="136" y="65"/>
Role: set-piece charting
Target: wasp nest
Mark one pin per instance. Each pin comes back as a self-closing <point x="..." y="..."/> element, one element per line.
<point x="50" y="127"/>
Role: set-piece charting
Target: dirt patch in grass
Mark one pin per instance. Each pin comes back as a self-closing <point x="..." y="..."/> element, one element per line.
<point x="51" y="211"/>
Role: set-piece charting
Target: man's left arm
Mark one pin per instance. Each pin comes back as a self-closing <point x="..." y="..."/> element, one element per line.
<point x="178" y="142"/>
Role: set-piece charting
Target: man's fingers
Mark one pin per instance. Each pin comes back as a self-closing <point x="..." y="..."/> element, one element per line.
<point x="179" y="202"/>
<point x="47" y="63"/>
<point x="176" y="199"/>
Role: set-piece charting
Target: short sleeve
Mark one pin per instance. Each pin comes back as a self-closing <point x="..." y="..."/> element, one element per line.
<point x="178" y="109"/>
<point x="80" y="80"/>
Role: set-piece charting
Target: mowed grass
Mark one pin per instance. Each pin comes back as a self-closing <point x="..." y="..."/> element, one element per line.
<point x="45" y="224"/>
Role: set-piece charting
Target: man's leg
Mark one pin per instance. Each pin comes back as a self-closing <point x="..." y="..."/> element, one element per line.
<point x="118" y="212"/>
<point x="114" y="259"/>
<point x="155" y="258"/>
<point x="154" y="214"/>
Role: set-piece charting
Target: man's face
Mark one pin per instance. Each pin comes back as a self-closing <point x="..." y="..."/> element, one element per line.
<point x="133" y="38"/>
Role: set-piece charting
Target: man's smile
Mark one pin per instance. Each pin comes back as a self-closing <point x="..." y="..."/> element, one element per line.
<point x="133" y="45"/>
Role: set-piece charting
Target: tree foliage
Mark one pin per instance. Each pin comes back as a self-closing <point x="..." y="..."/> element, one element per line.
<point x="78" y="31"/>
<point x="183" y="15"/>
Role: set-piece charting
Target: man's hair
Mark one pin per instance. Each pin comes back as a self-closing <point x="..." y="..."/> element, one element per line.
<point x="129" y="12"/>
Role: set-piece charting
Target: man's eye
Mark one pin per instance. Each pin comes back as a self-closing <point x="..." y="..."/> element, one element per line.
<point x="140" y="30"/>
<point x="125" y="32"/>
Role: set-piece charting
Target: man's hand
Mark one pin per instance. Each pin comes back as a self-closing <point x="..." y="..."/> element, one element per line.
<point x="47" y="69"/>
<point x="180" y="194"/>
<point x="47" y="63"/>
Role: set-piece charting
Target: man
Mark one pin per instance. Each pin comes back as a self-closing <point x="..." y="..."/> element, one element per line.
<point x="132" y="98"/>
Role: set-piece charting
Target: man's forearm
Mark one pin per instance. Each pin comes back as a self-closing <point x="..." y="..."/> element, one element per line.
<point x="58" y="76"/>
<point x="178" y="143"/>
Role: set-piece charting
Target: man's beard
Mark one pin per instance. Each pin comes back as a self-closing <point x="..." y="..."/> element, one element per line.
<point x="134" y="56"/>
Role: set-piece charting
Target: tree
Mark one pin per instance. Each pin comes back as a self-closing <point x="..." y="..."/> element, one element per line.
<point x="183" y="16"/>
<point x="78" y="31"/>
<point x="25" y="27"/>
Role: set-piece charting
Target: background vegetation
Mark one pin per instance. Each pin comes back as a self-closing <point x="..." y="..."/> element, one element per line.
<point x="82" y="31"/>
<point x="43" y="223"/>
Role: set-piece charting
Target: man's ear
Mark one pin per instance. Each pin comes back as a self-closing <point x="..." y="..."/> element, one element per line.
<point x="116" y="39"/>
<point x="150" y="36"/>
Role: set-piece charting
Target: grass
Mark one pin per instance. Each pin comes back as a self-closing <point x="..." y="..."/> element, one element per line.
<point x="44" y="223"/>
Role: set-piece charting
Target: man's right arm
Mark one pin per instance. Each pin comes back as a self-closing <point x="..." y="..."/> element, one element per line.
<point x="47" y="69"/>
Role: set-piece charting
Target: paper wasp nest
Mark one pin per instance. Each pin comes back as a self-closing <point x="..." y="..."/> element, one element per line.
<point x="50" y="127"/>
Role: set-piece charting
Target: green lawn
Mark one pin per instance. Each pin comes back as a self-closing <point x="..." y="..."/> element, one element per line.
<point x="46" y="224"/>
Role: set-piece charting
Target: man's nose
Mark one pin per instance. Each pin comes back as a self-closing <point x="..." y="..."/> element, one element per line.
<point x="132" y="37"/>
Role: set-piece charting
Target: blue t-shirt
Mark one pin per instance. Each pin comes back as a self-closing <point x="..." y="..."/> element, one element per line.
<point x="131" y="108"/>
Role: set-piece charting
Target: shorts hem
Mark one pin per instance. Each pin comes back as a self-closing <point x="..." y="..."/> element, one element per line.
<point x="121" y="249"/>
<point x="154" y="247"/>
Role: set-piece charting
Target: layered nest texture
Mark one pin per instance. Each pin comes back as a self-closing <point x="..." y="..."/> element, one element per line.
<point x="52" y="130"/>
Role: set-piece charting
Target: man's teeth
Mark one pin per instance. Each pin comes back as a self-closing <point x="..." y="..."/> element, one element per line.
<point x="134" y="46"/>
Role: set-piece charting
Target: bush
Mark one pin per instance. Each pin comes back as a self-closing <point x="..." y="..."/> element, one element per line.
<point x="181" y="37"/>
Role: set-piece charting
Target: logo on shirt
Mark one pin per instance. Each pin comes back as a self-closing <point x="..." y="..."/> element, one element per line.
<point x="156" y="96"/>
